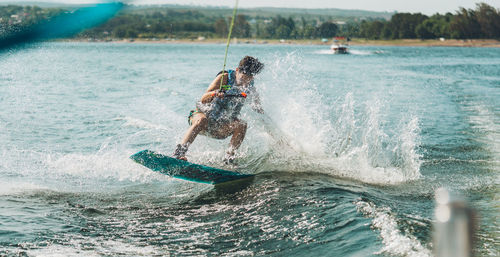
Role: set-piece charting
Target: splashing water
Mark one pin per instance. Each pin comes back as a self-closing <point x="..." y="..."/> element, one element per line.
<point x="339" y="140"/>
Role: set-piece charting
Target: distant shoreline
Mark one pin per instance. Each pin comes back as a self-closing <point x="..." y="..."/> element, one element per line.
<point x="430" y="42"/>
<point x="355" y="42"/>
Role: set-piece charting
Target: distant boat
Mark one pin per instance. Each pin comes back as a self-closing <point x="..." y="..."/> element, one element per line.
<point x="340" y="45"/>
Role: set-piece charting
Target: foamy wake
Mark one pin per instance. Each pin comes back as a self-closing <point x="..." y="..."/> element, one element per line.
<point x="139" y="123"/>
<point x="485" y="120"/>
<point x="360" y="52"/>
<point x="351" y="51"/>
<point x="9" y="188"/>
<point x="395" y="242"/>
<point x="103" y="164"/>
<point x="98" y="166"/>
<point x="80" y="247"/>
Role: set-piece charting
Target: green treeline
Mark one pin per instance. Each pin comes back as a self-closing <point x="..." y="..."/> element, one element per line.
<point x="167" y="23"/>
<point x="483" y="22"/>
<point x="160" y="24"/>
<point x="191" y="23"/>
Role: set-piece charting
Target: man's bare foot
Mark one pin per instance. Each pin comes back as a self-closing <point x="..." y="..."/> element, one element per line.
<point x="229" y="159"/>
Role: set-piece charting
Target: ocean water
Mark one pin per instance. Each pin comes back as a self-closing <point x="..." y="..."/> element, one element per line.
<point x="347" y="157"/>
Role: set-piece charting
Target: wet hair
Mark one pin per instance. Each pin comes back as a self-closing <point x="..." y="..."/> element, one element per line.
<point x="250" y="65"/>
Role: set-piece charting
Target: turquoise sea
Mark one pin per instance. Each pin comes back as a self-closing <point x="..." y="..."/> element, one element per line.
<point x="347" y="157"/>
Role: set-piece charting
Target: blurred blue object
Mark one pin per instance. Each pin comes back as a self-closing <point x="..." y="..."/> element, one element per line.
<point x="62" y="25"/>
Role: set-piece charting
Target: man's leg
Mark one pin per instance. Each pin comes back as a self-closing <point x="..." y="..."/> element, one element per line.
<point x="238" y="130"/>
<point x="198" y="123"/>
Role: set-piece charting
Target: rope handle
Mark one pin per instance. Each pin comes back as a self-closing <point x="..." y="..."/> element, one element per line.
<point x="242" y="94"/>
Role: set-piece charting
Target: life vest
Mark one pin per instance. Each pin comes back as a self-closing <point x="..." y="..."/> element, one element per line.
<point x="229" y="107"/>
<point x="231" y="78"/>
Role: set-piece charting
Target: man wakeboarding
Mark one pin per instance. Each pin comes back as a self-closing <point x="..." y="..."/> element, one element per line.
<point x="217" y="113"/>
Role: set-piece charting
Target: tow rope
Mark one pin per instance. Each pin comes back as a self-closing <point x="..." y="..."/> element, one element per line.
<point x="227" y="45"/>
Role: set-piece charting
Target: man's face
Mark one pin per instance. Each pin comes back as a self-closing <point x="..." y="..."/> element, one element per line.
<point x="242" y="78"/>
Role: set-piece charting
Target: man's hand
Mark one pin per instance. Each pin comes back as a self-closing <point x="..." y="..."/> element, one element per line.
<point x="218" y="93"/>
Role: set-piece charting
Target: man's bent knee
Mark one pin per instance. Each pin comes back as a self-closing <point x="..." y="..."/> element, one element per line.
<point x="241" y="126"/>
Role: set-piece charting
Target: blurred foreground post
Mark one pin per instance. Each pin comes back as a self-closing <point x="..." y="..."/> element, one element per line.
<point x="454" y="227"/>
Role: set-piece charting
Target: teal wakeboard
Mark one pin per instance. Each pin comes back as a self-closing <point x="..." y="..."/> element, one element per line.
<point x="185" y="170"/>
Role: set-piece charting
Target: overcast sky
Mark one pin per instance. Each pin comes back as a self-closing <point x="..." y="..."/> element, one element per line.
<point x="424" y="6"/>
